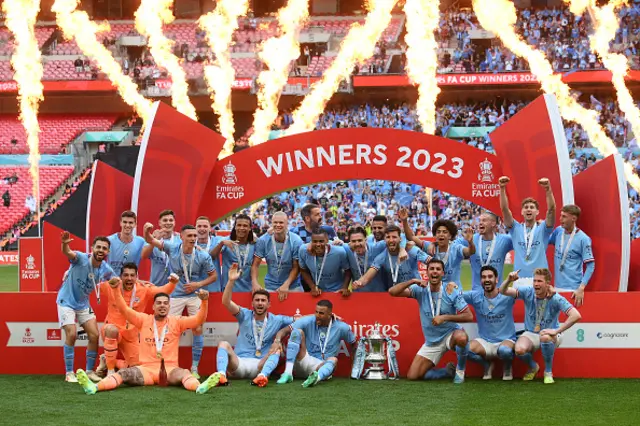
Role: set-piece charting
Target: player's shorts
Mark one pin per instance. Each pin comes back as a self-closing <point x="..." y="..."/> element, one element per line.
<point x="306" y="365"/>
<point x="434" y="352"/>
<point x="68" y="316"/>
<point x="247" y="368"/>
<point x="523" y="281"/>
<point x="535" y="339"/>
<point x="177" y="305"/>
<point x="151" y="375"/>
<point x="128" y="343"/>
<point x="490" y="349"/>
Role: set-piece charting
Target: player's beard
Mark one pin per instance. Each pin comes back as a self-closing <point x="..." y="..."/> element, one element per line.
<point x="487" y="283"/>
<point x="95" y="257"/>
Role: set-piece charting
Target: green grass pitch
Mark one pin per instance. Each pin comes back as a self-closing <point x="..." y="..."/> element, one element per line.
<point x="48" y="400"/>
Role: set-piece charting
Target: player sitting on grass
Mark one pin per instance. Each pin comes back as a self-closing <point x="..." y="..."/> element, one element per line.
<point x="159" y="341"/>
<point x="255" y="350"/>
<point x="314" y="344"/>
<point x="543" y="331"/>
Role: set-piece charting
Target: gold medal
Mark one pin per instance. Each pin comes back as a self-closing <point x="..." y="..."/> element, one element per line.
<point x="258" y="353"/>
<point x="159" y="355"/>
<point x="536" y="329"/>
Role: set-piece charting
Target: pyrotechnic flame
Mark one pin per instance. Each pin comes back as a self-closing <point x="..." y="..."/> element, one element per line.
<point x="423" y="17"/>
<point x="150" y="17"/>
<point x="76" y="25"/>
<point x="20" y="18"/>
<point x="356" y="48"/>
<point x="219" y="26"/>
<point x="277" y="53"/>
<point x="499" y="17"/>
<point x="605" y="24"/>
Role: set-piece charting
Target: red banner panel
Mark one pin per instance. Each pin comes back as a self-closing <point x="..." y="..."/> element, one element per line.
<point x="31" y="264"/>
<point x="601" y="193"/>
<point x="342" y="154"/>
<point x="609" y="331"/>
<point x="8" y="258"/>
<point x="175" y="160"/>
<point x="634" y="267"/>
<point x="56" y="263"/>
<point x="109" y="195"/>
<point x="528" y="152"/>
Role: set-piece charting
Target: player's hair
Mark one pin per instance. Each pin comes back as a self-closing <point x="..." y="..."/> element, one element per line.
<point x="572" y="209"/>
<point x="161" y="295"/>
<point x="305" y="212"/>
<point x="489" y="268"/>
<point x="325" y="303"/>
<point x="530" y="200"/>
<point x="543" y="272"/>
<point x="167" y="212"/>
<point x="434" y="260"/>
<point x="393" y="228"/>
<point x="492" y="215"/>
<point x="451" y="227"/>
<point x="356" y="230"/>
<point x="101" y="238"/>
<point x="261" y="292"/>
<point x="187" y="227"/>
<point x="203" y="218"/>
<point x="242" y="216"/>
<point x="129" y="213"/>
<point x="379" y="218"/>
<point x="280" y="213"/>
<point x="129" y="265"/>
<point x="320" y="231"/>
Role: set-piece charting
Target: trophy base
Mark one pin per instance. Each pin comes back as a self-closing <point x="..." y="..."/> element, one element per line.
<point x="375" y="375"/>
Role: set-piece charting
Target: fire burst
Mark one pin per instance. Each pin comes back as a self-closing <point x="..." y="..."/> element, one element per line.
<point x="219" y="26"/>
<point x="499" y="17"/>
<point x="605" y="25"/>
<point x="277" y="54"/>
<point x="21" y="18"/>
<point x="423" y="17"/>
<point x="76" y="25"/>
<point x="356" y="48"/>
<point x="150" y="17"/>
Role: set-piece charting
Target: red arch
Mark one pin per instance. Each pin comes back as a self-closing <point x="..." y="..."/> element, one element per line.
<point x="344" y="154"/>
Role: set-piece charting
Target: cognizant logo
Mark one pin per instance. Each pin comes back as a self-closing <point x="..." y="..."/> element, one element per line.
<point x="600" y="335"/>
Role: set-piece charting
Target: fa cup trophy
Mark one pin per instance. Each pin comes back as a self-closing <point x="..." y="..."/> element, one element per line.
<point x="373" y="350"/>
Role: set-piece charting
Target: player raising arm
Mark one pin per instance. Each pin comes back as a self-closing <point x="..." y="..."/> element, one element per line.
<point x="159" y="343"/>
<point x="116" y="332"/>
<point x="543" y="331"/>
<point x="255" y="355"/>
<point x="81" y="279"/>
<point x="440" y="313"/>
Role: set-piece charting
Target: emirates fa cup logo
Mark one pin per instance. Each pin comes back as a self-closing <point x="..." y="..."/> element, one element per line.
<point x="31" y="263"/>
<point x="485" y="174"/>
<point x="229" y="177"/>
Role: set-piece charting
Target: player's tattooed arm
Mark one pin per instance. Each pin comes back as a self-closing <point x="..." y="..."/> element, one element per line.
<point x="132" y="376"/>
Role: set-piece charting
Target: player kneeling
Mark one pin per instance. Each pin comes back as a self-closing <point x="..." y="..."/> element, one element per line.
<point x="255" y="350"/>
<point x="314" y="344"/>
<point x="542" y="327"/>
<point x="159" y="341"/>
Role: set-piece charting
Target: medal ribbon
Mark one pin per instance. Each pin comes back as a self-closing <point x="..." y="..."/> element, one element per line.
<point x="491" y="247"/>
<point x="566" y="249"/>
<point x="318" y="275"/>
<point x="394" y="272"/>
<point x="166" y="256"/>
<point x="323" y="346"/>
<point x="275" y="250"/>
<point x="242" y="261"/>
<point x="92" y="277"/>
<point x="446" y="255"/>
<point x="541" y="307"/>
<point x="258" y="339"/>
<point x="159" y="341"/>
<point x="366" y="261"/>
<point x="437" y="311"/>
<point x="528" y="239"/>
<point x="187" y="272"/>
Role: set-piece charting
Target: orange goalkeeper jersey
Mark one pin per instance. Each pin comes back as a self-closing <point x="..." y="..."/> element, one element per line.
<point x="143" y="295"/>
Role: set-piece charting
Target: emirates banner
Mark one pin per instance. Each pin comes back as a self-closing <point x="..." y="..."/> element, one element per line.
<point x="30" y="264"/>
<point x="8" y="258"/>
<point x="609" y="331"/>
<point x="343" y="154"/>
